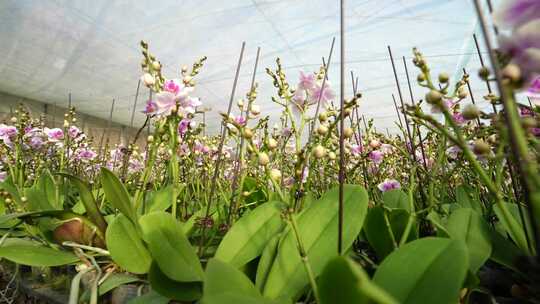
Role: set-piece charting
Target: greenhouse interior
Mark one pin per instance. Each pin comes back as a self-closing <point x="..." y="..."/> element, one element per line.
<point x="270" y="151"/>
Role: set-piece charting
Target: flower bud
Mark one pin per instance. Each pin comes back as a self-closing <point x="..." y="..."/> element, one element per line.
<point x="66" y="123"/>
<point x="275" y="175"/>
<point x="323" y="117"/>
<point x="462" y="93"/>
<point x="255" y="109"/>
<point x="470" y="112"/>
<point x="247" y="133"/>
<point x="374" y="143"/>
<point x="240" y="103"/>
<point x="347" y="132"/>
<point x="150" y="139"/>
<point x="263" y="159"/>
<point x="512" y="73"/>
<point x="483" y="73"/>
<point x="480" y="147"/>
<point x="332" y="155"/>
<point x="148" y="79"/>
<point x="443" y="78"/>
<point x="421" y="78"/>
<point x="528" y="122"/>
<point x="272" y="143"/>
<point x="319" y="152"/>
<point x="433" y="97"/>
<point x="184" y="69"/>
<point x="14" y="119"/>
<point x="322" y="130"/>
<point x="156" y="65"/>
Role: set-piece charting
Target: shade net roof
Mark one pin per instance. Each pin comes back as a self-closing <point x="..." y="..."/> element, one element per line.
<point x="91" y="48"/>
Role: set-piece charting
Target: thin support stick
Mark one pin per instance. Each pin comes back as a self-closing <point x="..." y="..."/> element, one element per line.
<point x="213" y="184"/>
<point x="341" y="126"/>
<point x="488" y="85"/>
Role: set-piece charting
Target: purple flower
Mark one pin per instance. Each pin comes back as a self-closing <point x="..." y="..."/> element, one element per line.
<point x="356" y="149"/>
<point x="86" y="155"/>
<point x="525" y="112"/>
<point x="73" y="132"/>
<point x="7" y="133"/>
<point x="151" y="108"/>
<point x="447" y="103"/>
<point x="389" y="184"/>
<point x="286" y="132"/>
<point x="165" y="103"/>
<point x="3" y="176"/>
<point x="36" y="142"/>
<point x="172" y="85"/>
<point x="376" y="156"/>
<point x="517" y="12"/>
<point x="534" y="89"/>
<point x="453" y="152"/>
<point x="326" y="95"/>
<point x="183" y="126"/>
<point x="135" y="166"/>
<point x="240" y="120"/>
<point x="458" y="118"/>
<point x="535" y="131"/>
<point x="523" y="46"/>
<point x="306" y="81"/>
<point x="55" y="134"/>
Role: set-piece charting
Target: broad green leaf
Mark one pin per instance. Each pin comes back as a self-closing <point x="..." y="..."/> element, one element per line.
<point x="317" y="228"/>
<point x="504" y="251"/>
<point x="113" y="281"/>
<point x="467" y="225"/>
<point x="150" y="297"/>
<point x="378" y="234"/>
<point x="33" y="254"/>
<point x="170" y="248"/>
<point x="181" y="291"/>
<point x="10" y="187"/>
<point x="266" y="261"/>
<point x="159" y="200"/>
<point x="117" y="195"/>
<point x="396" y="199"/>
<point x="428" y="270"/>
<point x="126" y="246"/>
<point x="48" y="187"/>
<point x="249" y="235"/>
<point x="511" y="226"/>
<point x="467" y="197"/>
<point x="36" y="200"/>
<point x="87" y="199"/>
<point x="224" y="284"/>
<point x="343" y="281"/>
<point x="436" y="220"/>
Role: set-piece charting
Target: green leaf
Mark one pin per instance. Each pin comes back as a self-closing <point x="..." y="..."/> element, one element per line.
<point x="428" y="270"/>
<point x="512" y="227"/>
<point x="343" y="281"/>
<point x="379" y="236"/>
<point x="159" y="200"/>
<point x="113" y="281"/>
<point x="504" y="251"/>
<point x="436" y="220"/>
<point x="467" y="225"/>
<point x="48" y="187"/>
<point x="150" y="297"/>
<point x="33" y="254"/>
<point x="249" y="235"/>
<point x="266" y="261"/>
<point x="36" y="200"/>
<point x="224" y="284"/>
<point x="396" y="199"/>
<point x="170" y="248"/>
<point x="87" y="199"/>
<point x="126" y="246"/>
<point x="117" y="195"/>
<point x="467" y="197"/>
<point x="181" y="291"/>
<point x="317" y="228"/>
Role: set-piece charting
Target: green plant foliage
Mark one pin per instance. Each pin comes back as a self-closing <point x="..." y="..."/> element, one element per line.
<point x="126" y="246"/>
<point x="377" y="230"/>
<point x="181" y="291"/>
<point x="467" y="225"/>
<point x="512" y="227"/>
<point x="343" y="281"/>
<point x="150" y="297"/>
<point x="467" y="197"/>
<point x="429" y="270"/>
<point x="250" y="234"/>
<point x="396" y="199"/>
<point x="267" y="259"/>
<point x="30" y="253"/>
<point x="159" y="200"/>
<point x="224" y="284"/>
<point x="170" y="248"/>
<point x="317" y="227"/>
<point x="117" y="195"/>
